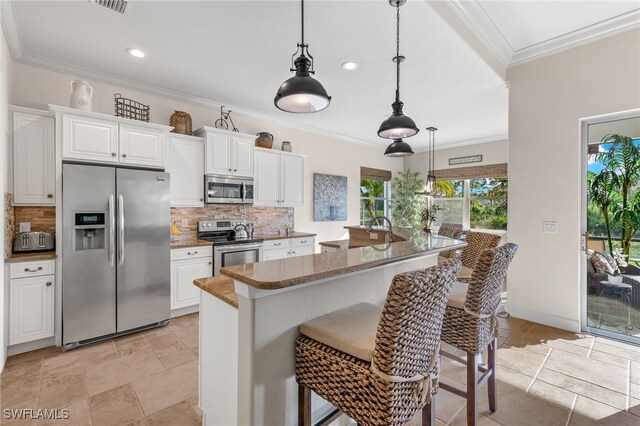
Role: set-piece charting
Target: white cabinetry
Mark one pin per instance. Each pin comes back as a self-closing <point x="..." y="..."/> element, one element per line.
<point x="89" y="139"/>
<point x="34" y="179"/>
<point x="279" y="179"/>
<point x="142" y="147"/>
<point x="188" y="264"/>
<point x="93" y="137"/>
<point x="185" y="164"/>
<point x="227" y="153"/>
<point x="287" y="247"/>
<point x="31" y="301"/>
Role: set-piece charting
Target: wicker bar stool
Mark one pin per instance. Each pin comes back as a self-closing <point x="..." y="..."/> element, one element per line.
<point x="477" y="242"/>
<point x="377" y="365"/>
<point x="451" y="230"/>
<point x="470" y="324"/>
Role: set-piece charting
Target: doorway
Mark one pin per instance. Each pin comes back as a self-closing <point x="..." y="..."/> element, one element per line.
<point x="611" y="225"/>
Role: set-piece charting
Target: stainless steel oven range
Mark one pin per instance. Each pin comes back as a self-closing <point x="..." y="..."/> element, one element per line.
<point x="228" y="248"/>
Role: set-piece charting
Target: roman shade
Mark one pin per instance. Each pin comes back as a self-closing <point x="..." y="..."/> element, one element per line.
<point x="472" y="172"/>
<point x="374" y="174"/>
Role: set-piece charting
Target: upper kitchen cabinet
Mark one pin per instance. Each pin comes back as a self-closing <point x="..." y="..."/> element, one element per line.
<point x="185" y="164"/>
<point x="227" y="153"/>
<point x="33" y="135"/>
<point x="100" y="138"/>
<point x="142" y="146"/>
<point x="279" y="179"/>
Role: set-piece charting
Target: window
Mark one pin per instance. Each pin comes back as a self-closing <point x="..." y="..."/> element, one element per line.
<point x="375" y="198"/>
<point x="476" y="203"/>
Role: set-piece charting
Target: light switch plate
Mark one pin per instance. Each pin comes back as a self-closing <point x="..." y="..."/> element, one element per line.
<point x="25" y="226"/>
<point x="550" y="227"/>
<point x="373" y="236"/>
<point x="185" y="223"/>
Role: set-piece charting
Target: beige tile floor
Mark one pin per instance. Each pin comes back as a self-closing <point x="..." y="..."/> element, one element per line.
<point x="147" y="378"/>
<point x="546" y="377"/>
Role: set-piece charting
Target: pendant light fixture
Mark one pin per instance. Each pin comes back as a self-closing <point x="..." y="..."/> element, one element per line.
<point x="398" y="125"/>
<point x="302" y="93"/>
<point x="431" y="160"/>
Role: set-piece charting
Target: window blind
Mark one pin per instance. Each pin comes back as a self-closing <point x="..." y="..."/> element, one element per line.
<point x="472" y="172"/>
<point x="374" y="174"/>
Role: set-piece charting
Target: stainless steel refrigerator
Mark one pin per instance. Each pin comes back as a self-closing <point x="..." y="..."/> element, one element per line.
<point x="115" y="252"/>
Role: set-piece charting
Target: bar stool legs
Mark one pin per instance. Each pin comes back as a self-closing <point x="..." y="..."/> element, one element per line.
<point x="491" y="360"/>
<point x="475" y="381"/>
<point x="304" y="406"/>
<point x="429" y="413"/>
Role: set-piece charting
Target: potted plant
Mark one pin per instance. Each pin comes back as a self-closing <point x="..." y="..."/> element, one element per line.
<point x="428" y="216"/>
<point x="615" y="277"/>
<point x="406" y="202"/>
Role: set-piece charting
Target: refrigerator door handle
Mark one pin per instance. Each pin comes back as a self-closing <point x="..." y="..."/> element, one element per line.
<point x="121" y="229"/>
<point x="112" y="230"/>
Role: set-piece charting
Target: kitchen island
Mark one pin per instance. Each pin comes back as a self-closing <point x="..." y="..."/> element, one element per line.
<point x="247" y="358"/>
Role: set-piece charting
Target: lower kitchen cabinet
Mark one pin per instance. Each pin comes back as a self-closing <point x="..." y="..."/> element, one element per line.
<point x="31" y="303"/>
<point x="287" y="247"/>
<point x="184" y="271"/>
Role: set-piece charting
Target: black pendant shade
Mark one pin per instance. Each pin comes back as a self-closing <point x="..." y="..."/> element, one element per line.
<point x="302" y="93"/>
<point x="398" y="125"/>
<point x="398" y="148"/>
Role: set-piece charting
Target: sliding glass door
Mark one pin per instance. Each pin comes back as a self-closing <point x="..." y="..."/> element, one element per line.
<point x="611" y="225"/>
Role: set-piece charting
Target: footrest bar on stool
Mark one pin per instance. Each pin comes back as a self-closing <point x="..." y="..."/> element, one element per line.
<point x="484" y="377"/>
<point x="327" y="420"/>
<point x="452" y="389"/>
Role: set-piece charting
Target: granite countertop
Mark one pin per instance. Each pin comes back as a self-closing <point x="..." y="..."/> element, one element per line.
<point x="29" y="256"/>
<point x="194" y="242"/>
<point x="339" y="244"/>
<point x="220" y="287"/>
<point x="282" y="273"/>
<point x="284" y="236"/>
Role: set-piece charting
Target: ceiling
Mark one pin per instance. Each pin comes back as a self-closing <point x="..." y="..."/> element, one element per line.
<point x="237" y="53"/>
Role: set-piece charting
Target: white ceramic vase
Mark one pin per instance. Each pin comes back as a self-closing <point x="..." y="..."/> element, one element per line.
<point x="616" y="280"/>
<point x="81" y="94"/>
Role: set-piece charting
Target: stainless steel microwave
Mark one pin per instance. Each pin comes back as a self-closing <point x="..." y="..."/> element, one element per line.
<point x="228" y="190"/>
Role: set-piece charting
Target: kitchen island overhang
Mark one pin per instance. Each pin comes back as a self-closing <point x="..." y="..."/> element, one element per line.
<point x="274" y="298"/>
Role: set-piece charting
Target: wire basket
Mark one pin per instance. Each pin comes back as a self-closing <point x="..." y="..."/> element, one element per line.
<point x="128" y="108"/>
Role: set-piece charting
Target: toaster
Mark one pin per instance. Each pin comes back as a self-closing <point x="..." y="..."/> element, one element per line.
<point x="33" y="241"/>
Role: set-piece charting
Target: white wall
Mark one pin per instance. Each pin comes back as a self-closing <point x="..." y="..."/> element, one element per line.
<point x="6" y="65"/>
<point x="547" y="98"/>
<point x="492" y="153"/>
<point x="36" y="88"/>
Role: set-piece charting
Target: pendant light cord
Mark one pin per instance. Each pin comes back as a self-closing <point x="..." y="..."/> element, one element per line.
<point x="397" y="50"/>
<point x="302" y="15"/>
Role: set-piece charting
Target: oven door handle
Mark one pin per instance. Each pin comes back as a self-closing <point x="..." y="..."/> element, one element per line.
<point x="237" y="247"/>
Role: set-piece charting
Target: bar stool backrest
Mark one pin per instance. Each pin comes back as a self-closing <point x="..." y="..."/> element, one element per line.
<point x="411" y="322"/>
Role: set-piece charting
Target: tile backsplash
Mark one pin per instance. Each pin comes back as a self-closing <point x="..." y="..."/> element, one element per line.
<point x="42" y="218"/>
<point x="266" y="220"/>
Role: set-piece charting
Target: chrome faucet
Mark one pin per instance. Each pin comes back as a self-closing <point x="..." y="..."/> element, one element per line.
<point x="383" y="218"/>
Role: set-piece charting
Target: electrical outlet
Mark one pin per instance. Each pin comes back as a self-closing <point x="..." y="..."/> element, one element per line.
<point x="373" y="236"/>
<point x="25" y="226"/>
<point x="550" y="227"/>
<point x="185" y="223"/>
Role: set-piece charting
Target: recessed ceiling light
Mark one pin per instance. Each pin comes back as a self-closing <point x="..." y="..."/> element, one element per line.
<point x="350" y="66"/>
<point x="135" y="52"/>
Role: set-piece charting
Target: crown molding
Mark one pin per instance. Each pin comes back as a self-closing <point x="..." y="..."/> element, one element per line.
<point x="10" y="29"/>
<point x="589" y="34"/>
<point x="467" y="142"/>
<point x="90" y="74"/>
<point x="472" y="14"/>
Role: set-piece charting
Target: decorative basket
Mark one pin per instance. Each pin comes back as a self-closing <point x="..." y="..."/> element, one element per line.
<point x="128" y="108"/>
<point x="181" y="122"/>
